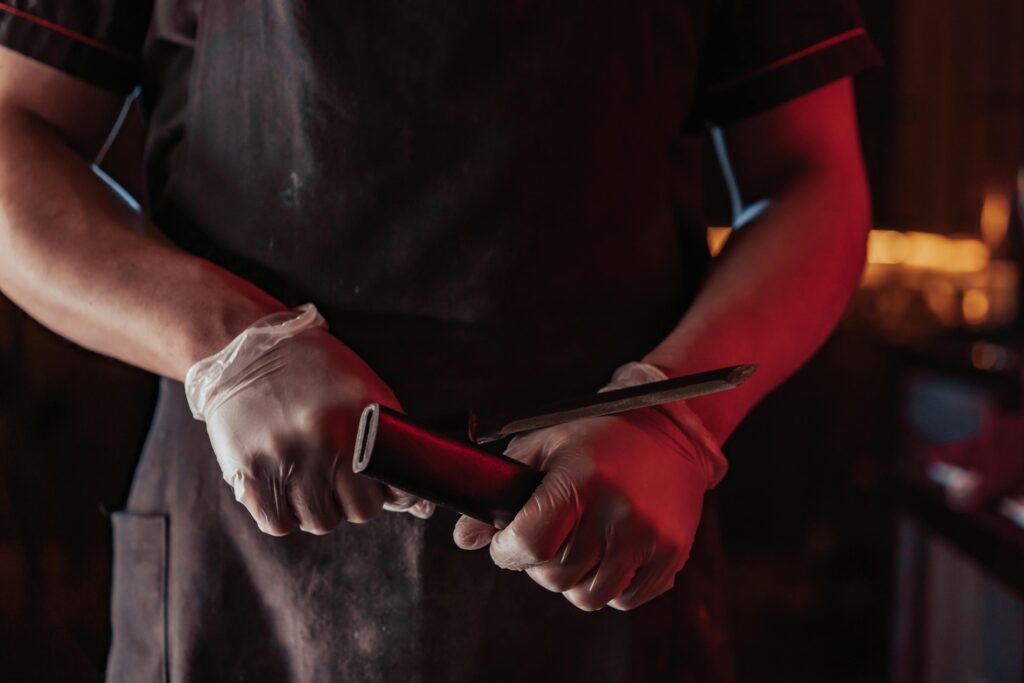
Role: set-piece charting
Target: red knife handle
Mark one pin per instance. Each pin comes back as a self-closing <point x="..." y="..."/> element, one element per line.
<point x="394" y="450"/>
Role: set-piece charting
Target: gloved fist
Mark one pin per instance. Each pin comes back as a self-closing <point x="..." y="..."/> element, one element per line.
<point x="281" y="405"/>
<point x="613" y="520"/>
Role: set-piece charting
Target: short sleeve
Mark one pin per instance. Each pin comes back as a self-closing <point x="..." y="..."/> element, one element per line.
<point x="759" y="54"/>
<point x="99" y="41"/>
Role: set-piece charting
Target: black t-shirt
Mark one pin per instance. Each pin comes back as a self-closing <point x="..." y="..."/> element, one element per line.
<point x="475" y="193"/>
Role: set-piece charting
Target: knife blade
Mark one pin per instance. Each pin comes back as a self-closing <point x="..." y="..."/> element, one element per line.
<point x="493" y="428"/>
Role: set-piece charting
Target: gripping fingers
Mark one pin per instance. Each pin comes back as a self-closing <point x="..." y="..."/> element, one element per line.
<point x="360" y="499"/>
<point x="423" y="509"/>
<point x="541" y="526"/>
<point x="650" y="582"/>
<point x="472" y="534"/>
<point x="655" y="577"/>
<point x="314" y="504"/>
<point x="604" y="583"/>
<point x="577" y="557"/>
<point x="396" y="500"/>
<point x="264" y="494"/>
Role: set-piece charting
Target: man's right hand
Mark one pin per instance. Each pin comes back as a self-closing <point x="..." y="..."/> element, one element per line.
<point x="284" y="437"/>
<point x="91" y="268"/>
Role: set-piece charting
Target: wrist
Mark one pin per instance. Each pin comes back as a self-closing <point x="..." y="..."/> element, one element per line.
<point x="721" y="412"/>
<point x="219" y="327"/>
<point x="680" y="415"/>
<point x="231" y="305"/>
<point x="210" y="379"/>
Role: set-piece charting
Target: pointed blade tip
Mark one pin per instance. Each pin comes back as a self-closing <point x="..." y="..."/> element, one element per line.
<point x="742" y="373"/>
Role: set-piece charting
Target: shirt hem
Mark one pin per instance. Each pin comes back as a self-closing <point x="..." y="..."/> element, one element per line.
<point x="77" y="55"/>
<point x="787" y="78"/>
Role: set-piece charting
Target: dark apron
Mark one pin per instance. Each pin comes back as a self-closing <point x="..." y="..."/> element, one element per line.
<point x="201" y="595"/>
<point x="493" y="205"/>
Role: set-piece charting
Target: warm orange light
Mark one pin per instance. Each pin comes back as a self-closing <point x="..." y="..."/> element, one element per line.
<point x="924" y="250"/>
<point x="975" y="306"/>
<point x="954" y="276"/>
<point x="717" y="238"/>
<point x="887" y="247"/>
<point x="995" y="218"/>
<point x="929" y="251"/>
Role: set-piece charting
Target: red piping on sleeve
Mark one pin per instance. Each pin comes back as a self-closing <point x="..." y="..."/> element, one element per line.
<point x="74" y="35"/>
<point x="788" y="59"/>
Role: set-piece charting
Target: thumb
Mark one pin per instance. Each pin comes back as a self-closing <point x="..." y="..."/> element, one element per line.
<point x="472" y="534"/>
<point x="540" y="528"/>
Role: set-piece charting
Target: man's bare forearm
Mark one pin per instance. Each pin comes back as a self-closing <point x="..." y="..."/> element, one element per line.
<point x="775" y="293"/>
<point x="78" y="259"/>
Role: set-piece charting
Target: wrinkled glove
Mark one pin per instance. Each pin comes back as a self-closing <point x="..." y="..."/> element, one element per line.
<point x="281" y="404"/>
<point x="614" y="518"/>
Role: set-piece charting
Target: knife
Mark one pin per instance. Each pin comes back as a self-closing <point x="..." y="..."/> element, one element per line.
<point x="458" y="475"/>
<point x="486" y="429"/>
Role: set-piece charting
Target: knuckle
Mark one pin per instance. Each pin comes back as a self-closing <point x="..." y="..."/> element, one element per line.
<point x="270" y="518"/>
<point x="318" y="528"/>
<point x="276" y="527"/>
<point x="319" y="523"/>
<point x="308" y="420"/>
<point x="551" y="577"/>
<point x="584" y="600"/>
<point x="535" y="555"/>
<point x="361" y="515"/>
<point x="532" y="551"/>
<point x="623" y="605"/>
<point x="560" y="582"/>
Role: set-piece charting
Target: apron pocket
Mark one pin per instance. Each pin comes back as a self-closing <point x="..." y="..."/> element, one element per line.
<point x="138" y="605"/>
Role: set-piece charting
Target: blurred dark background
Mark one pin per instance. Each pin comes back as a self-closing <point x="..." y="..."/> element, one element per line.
<point x="815" y="509"/>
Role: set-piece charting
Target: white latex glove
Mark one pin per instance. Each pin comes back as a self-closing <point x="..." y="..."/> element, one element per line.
<point x="613" y="520"/>
<point x="282" y="404"/>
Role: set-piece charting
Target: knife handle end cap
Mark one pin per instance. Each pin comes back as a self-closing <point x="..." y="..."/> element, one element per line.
<point x="366" y="434"/>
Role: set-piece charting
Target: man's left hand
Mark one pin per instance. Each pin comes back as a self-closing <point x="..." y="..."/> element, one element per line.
<point x="613" y="520"/>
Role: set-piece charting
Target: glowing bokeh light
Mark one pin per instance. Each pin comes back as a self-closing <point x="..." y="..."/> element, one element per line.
<point x="995" y="218"/>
